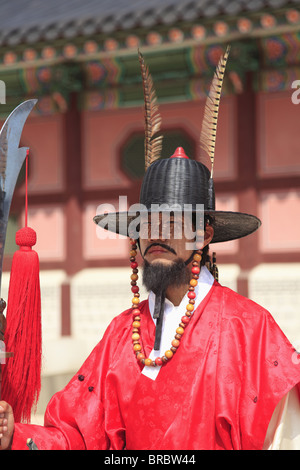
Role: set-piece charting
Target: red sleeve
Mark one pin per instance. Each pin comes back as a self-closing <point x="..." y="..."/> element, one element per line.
<point x="258" y="361"/>
<point x="75" y="418"/>
<point x="67" y="417"/>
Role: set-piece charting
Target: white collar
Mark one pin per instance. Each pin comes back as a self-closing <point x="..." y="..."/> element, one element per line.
<point x="172" y="317"/>
<point x="205" y="282"/>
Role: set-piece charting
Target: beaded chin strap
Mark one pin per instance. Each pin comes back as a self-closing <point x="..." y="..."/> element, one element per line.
<point x="136" y="313"/>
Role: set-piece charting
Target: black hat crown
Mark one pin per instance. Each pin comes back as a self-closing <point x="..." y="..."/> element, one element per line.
<point x="176" y="181"/>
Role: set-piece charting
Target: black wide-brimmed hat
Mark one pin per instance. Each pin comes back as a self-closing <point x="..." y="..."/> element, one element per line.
<point x="180" y="182"/>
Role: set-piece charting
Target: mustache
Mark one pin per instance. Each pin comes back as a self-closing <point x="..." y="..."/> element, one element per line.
<point x="162" y="245"/>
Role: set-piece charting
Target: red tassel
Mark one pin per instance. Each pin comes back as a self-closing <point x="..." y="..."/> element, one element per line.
<point x="21" y="381"/>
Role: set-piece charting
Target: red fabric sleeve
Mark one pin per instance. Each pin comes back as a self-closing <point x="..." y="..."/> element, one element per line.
<point x="75" y="418"/>
<point x="256" y="369"/>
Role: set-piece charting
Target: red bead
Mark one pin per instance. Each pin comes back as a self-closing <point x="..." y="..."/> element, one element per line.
<point x="158" y="361"/>
<point x="135" y="289"/>
<point x="185" y="319"/>
<point x="136" y="311"/>
<point x="134" y="265"/>
<point x="195" y="270"/>
<point x="191" y="295"/>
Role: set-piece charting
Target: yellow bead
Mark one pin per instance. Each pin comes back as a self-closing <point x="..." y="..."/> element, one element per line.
<point x="168" y="354"/>
<point x="197" y="257"/>
<point x="135" y="336"/>
<point x="193" y="282"/>
<point x="190" y="307"/>
<point x="148" y="362"/>
<point x="134" y="277"/>
<point x="135" y="300"/>
<point x="180" y="330"/>
<point x="136" y="324"/>
<point x="137" y="347"/>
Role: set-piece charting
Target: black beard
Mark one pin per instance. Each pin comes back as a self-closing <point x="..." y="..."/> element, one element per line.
<point x="157" y="277"/>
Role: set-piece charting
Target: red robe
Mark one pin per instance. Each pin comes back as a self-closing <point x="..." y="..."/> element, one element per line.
<point x="219" y="391"/>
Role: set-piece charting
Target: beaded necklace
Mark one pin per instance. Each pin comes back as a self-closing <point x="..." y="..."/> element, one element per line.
<point x="137" y="348"/>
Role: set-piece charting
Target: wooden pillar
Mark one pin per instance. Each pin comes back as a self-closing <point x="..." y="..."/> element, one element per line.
<point x="73" y="205"/>
<point x="66" y="309"/>
<point x="73" y="187"/>
<point x="248" y="256"/>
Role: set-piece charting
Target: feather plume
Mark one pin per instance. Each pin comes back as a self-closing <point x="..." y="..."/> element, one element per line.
<point x="211" y="111"/>
<point x="153" y="142"/>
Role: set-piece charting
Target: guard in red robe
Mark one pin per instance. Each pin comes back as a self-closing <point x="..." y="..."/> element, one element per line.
<point x="219" y="391"/>
<point x="195" y="366"/>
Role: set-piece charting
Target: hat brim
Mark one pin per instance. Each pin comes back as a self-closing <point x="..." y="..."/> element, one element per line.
<point x="227" y="225"/>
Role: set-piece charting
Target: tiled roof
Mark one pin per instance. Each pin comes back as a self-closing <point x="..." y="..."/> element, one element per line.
<point x="29" y="21"/>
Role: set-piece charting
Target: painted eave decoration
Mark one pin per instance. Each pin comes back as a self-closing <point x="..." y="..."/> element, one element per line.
<point x="53" y="49"/>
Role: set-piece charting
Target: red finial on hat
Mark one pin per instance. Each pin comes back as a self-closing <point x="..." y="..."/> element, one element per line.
<point x="179" y="153"/>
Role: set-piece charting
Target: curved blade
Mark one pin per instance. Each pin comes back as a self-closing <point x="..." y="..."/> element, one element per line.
<point x="11" y="157"/>
<point x="11" y="160"/>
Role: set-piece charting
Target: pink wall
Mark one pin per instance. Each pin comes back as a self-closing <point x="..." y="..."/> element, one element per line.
<point x="278" y="156"/>
<point x="44" y="135"/>
<point x="106" y="131"/>
<point x="278" y="144"/>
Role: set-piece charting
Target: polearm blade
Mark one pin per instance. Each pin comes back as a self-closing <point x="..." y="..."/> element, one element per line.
<point x="11" y="160"/>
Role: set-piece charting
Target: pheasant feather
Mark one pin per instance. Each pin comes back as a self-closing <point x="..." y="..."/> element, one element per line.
<point x="211" y="111"/>
<point x="153" y="142"/>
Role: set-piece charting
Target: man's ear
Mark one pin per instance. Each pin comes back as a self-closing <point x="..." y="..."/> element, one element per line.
<point x="208" y="235"/>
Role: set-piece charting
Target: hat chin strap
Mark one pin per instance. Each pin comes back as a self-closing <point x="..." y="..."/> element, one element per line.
<point x="187" y="262"/>
<point x="159" y="308"/>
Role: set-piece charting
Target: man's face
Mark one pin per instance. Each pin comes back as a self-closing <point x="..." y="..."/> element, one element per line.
<point x="167" y="239"/>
